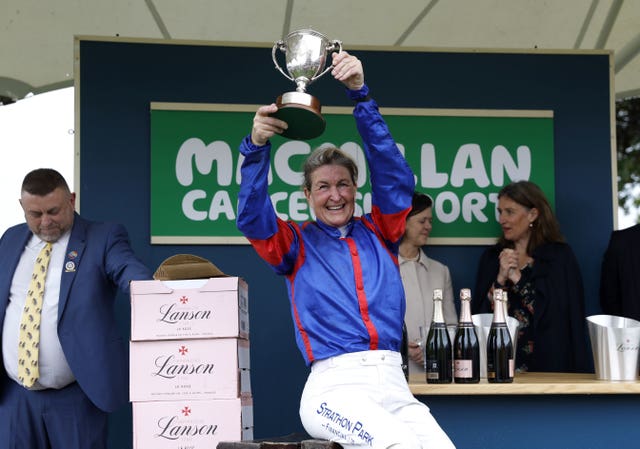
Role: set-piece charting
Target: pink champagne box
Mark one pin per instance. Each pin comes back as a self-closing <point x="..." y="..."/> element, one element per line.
<point x="195" y="308"/>
<point x="191" y="424"/>
<point x="168" y="370"/>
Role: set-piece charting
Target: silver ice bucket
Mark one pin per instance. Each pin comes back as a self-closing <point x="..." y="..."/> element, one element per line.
<point x="614" y="342"/>
<point x="482" y="323"/>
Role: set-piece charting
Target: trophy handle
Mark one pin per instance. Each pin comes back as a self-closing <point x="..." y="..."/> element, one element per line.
<point x="333" y="46"/>
<point x="280" y="45"/>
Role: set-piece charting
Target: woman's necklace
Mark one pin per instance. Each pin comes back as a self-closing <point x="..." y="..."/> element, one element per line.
<point x="527" y="263"/>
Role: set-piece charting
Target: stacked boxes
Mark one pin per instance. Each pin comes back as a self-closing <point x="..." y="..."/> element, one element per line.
<point x="190" y="372"/>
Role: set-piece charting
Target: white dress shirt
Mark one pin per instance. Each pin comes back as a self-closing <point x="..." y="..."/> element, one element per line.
<point x="53" y="366"/>
<point x="420" y="277"/>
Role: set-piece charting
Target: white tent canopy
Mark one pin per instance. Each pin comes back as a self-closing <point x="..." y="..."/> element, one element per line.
<point x="36" y="38"/>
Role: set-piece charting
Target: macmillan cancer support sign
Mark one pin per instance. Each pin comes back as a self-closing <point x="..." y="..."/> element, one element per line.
<point x="462" y="158"/>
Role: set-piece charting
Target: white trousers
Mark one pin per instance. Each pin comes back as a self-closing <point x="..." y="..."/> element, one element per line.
<point x="362" y="399"/>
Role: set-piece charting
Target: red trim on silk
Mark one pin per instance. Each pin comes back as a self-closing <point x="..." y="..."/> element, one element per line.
<point x="391" y="225"/>
<point x="273" y="250"/>
<point x="303" y="332"/>
<point x="275" y="247"/>
<point x="362" y="297"/>
<point x="377" y="233"/>
<point x="291" y="277"/>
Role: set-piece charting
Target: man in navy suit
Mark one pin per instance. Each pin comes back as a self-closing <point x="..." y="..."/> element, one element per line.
<point x="620" y="280"/>
<point x="83" y="366"/>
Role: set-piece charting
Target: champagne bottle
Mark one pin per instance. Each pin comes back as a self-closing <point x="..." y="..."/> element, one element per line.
<point x="466" y="350"/>
<point x="404" y="351"/>
<point x="500" y="363"/>
<point x="505" y="304"/>
<point x="505" y="301"/>
<point x="438" y="347"/>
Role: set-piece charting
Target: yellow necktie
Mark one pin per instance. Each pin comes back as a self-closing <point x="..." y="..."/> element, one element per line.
<point x="29" y="343"/>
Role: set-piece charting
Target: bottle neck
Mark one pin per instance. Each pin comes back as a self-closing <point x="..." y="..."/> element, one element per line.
<point x="438" y="316"/>
<point x="465" y="311"/>
<point x="498" y="312"/>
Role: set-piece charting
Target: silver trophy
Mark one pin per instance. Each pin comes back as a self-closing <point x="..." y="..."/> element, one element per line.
<point x="306" y="57"/>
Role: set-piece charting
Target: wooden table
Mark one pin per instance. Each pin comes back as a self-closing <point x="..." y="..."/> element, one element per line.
<point x="537" y="410"/>
<point x="529" y="383"/>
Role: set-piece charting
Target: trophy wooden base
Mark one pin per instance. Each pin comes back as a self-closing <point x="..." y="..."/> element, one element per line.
<point x="301" y="111"/>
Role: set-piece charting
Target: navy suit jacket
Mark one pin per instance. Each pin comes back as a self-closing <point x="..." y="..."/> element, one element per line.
<point x="620" y="280"/>
<point x="103" y="262"/>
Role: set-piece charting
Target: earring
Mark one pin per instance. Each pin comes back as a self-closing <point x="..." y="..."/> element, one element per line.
<point x="531" y="224"/>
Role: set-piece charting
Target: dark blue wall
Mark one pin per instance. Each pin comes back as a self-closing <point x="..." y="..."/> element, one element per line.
<point x="539" y="421"/>
<point x="118" y="80"/>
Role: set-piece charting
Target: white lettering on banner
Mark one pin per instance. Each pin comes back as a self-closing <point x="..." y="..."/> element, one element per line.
<point x="493" y="198"/>
<point x="468" y="166"/>
<point x="188" y="208"/>
<point x="357" y="154"/>
<point x="203" y="156"/>
<point x="429" y="175"/>
<point x="297" y="205"/>
<point x="502" y="162"/>
<point x="239" y="169"/>
<point x="447" y="206"/>
<point x="294" y="205"/>
<point x="472" y="207"/>
<point x="281" y="161"/>
<point x="277" y="198"/>
<point x="365" y="200"/>
<point x="220" y="204"/>
<point x="449" y="199"/>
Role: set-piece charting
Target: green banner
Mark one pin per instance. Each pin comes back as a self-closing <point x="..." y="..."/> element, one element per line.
<point x="460" y="157"/>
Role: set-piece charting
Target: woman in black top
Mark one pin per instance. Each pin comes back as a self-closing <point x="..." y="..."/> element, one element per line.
<point x="540" y="272"/>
